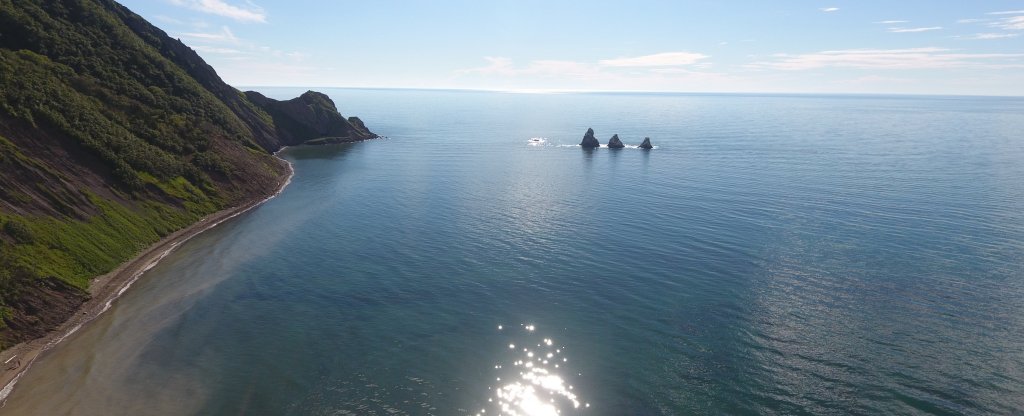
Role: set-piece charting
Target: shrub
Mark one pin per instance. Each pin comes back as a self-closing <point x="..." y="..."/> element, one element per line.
<point x="19" y="232"/>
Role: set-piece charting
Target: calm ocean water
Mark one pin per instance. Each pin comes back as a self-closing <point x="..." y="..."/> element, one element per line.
<point x="774" y="255"/>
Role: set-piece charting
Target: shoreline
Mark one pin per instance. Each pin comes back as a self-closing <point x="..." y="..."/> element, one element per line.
<point x="107" y="288"/>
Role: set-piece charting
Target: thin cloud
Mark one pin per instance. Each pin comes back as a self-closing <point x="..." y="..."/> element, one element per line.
<point x="1009" y="23"/>
<point x="655" y="60"/>
<point x="632" y="70"/>
<point x="504" y="66"/>
<point x="224" y="36"/>
<point x="913" y="29"/>
<point x="987" y="36"/>
<point x="894" y="59"/>
<point x="962" y="21"/>
<point x="1007" y="12"/>
<point x="251" y="13"/>
<point x="216" y="50"/>
<point x="167" y="19"/>
<point x="225" y="42"/>
<point x="891" y="22"/>
<point x="829" y="9"/>
<point x="504" y="74"/>
<point x="874" y="79"/>
<point x="495" y="65"/>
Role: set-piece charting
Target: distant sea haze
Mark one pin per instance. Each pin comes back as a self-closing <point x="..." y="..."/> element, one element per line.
<point x="773" y="255"/>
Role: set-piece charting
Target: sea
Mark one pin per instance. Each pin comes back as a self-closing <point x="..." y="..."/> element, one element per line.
<point x="773" y="254"/>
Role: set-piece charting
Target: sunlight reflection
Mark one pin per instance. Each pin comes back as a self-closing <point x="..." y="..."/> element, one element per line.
<point x="532" y="388"/>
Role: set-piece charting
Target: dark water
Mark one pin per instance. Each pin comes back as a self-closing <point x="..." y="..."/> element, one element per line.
<point x="774" y="255"/>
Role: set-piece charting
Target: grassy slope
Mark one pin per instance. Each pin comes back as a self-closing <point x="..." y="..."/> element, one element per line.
<point x="149" y="150"/>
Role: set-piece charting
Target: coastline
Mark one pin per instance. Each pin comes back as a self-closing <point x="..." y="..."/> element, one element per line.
<point x="107" y="288"/>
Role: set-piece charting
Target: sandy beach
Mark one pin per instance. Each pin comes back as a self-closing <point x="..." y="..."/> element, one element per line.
<point x="105" y="289"/>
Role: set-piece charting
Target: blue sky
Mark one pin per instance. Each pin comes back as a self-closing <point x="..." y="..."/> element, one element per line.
<point x="801" y="46"/>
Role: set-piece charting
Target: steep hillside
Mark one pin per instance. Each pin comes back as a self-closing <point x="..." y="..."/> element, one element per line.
<point x="113" y="135"/>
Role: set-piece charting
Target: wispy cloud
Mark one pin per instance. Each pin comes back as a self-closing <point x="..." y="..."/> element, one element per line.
<point x="658" y="64"/>
<point x="167" y="19"/>
<point x="658" y="59"/>
<point x="987" y="36"/>
<point x="497" y="65"/>
<point x="503" y="73"/>
<point x="219" y="51"/>
<point x="1009" y="23"/>
<point x="224" y="36"/>
<point x="913" y="29"/>
<point x="913" y="58"/>
<point x="1007" y="12"/>
<point x="892" y="22"/>
<point x="249" y="13"/>
<point x="228" y="46"/>
<point x="963" y="21"/>
<point x="829" y="9"/>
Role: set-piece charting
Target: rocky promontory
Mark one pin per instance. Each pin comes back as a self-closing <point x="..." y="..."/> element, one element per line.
<point x="310" y="118"/>
<point x="646" y="144"/>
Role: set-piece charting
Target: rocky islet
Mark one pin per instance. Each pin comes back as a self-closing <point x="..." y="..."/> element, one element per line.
<point x="590" y="142"/>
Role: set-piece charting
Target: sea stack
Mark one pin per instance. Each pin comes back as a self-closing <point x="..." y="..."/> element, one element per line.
<point x="646" y="144"/>
<point x="589" y="141"/>
<point x="615" y="143"/>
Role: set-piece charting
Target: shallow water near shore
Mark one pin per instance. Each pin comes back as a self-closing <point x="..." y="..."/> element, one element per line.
<point x="774" y="255"/>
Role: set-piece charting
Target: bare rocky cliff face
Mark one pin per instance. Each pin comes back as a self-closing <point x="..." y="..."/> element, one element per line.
<point x="113" y="135"/>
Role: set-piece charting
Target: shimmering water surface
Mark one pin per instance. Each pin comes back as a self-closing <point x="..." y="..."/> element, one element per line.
<point x="774" y="255"/>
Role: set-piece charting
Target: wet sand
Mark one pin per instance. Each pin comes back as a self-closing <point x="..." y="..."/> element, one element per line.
<point x="105" y="289"/>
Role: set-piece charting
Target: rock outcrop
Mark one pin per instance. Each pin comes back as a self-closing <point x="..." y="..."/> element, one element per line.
<point x="646" y="144"/>
<point x="311" y="116"/>
<point x="589" y="141"/>
<point x="615" y="143"/>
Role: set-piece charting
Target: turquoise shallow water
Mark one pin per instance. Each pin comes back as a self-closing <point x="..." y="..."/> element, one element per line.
<point x="774" y="255"/>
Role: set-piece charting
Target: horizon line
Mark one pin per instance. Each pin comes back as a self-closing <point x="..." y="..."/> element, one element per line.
<point x="571" y="91"/>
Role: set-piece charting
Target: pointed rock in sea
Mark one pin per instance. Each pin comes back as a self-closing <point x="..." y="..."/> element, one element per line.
<point x="589" y="140"/>
<point x="646" y="144"/>
<point x="615" y="143"/>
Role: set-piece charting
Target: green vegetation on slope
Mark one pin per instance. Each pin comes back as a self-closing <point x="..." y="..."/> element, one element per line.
<point x="78" y="250"/>
<point x="108" y="141"/>
<point x="93" y="78"/>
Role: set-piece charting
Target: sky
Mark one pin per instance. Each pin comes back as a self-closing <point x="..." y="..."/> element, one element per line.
<point x="955" y="47"/>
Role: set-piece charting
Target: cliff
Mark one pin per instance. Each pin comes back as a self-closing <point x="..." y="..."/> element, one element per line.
<point x="112" y="135"/>
<point x="310" y="116"/>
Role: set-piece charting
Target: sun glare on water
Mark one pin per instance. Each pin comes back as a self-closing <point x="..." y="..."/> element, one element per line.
<point x="531" y="382"/>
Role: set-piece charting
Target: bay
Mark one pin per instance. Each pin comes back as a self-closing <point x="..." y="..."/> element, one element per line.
<point x="775" y="254"/>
